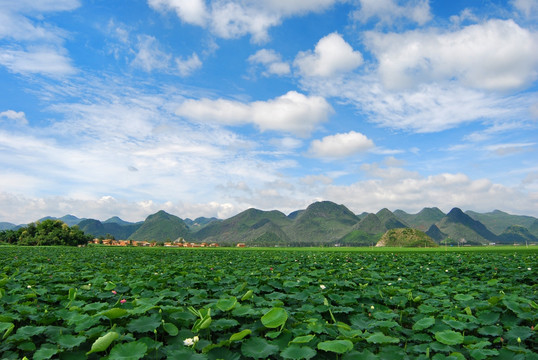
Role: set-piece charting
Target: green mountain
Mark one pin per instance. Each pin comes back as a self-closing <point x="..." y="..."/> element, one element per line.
<point x="370" y="224"/>
<point x="405" y="237"/>
<point x="497" y="221"/>
<point x="249" y="226"/>
<point x="198" y="223"/>
<point x="533" y="228"/>
<point x="436" y="234"/>
<point x="97" y="228"/>
<point x="359" y="238"/>
<point x="423" y="219"/>
<point x="517" y="234"/>
<point x="70" y="220"/>
<point x="322" y="222"/>
<point x="117" y="220"/>
<point x="7" y="226"/>
<point x="463" y="229"/>
<point x="389" y="220"/>
<point x="161" y="226"/>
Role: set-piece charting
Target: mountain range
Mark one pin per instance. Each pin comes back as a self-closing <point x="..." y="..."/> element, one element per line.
<point x="321" y="223"/>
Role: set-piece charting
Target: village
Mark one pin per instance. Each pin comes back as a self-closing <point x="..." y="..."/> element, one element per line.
<point x="179" y="243"/>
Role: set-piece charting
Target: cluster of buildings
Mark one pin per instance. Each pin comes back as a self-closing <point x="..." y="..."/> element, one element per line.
<point x="176" y="243"/>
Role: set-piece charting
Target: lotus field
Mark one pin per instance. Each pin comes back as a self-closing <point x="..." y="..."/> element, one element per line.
<point x="134" y="303"/>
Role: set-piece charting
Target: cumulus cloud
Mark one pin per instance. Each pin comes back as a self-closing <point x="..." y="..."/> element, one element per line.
<point x="340" y="145"/>
<point x="496" y="55"/>
<point x="427" y="107"/>
<point x="229" y="19"/>
<point x="292" y="112"/>
<point x="18" y="117"/>
<point x="332" y="55"/>
<point x="387" y="12"/>
<point x="529" y="8"/>
<point x="187" y="66"/>
<point x="445" y="190"/>
<point x="190" y="11"/>
<point x="271" y="60"/>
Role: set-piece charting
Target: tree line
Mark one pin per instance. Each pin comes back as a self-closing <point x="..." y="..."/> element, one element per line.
<point x="45" y="233"/>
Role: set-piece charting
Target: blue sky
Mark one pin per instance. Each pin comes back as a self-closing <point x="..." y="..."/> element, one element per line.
<point x="207" y="108"/>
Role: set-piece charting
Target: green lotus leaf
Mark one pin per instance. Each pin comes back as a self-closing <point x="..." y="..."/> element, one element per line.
<point x="145" y="323"/>
<point x="240" y="335"/>
<point x="46" y="351"/>
<point x="424" y="323"/>
<point x="128" y="351"/>
<point x="302" y="339"/>
<point x="103" y="342"/>
<point x="380" y="338"/>
<point x="114" y="313"/>
<point x="226" y="304"/>
<point x="481" y="354"/>
<point x="463" y="297"/>
<point x="274" y="318"/>
<point x="171" y="329"/>
<point x="70" y="341"/>
<point x="336" y="346"/>
<point x="258" y="348"/>
<point x="297" y="352"/>
<point x="449" y="337"/>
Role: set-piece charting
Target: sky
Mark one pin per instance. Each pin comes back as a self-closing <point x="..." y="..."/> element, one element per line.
<point x="211" y="107"/>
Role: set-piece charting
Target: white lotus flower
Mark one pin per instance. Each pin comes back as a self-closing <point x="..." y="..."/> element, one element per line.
<point x="323" y="287"/>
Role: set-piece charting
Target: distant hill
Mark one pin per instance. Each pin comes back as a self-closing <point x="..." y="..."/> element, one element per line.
<point x="533" y="228"/>
<point x="70" y="220"/>
<point x="251" y="225"/>
<point x="199" y="222"/>
<point x="370" y="224"/>
<point x="517" y="234"/>
<point x="436" y="234"/>
<point x="423" y="220"/>
<point x="120" y="230"/>
<point x="322" y="222"/>
<point x="389" y="220"/>
<point x="405" y="237"/>
<point x="461" y="228"/>
<point x="117" y="220"/>
<point x="7" y="226"/>
<point x="497" y="221"/>
<point x="161" y="226"/>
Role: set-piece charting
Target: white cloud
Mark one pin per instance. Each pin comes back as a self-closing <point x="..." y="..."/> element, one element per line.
<point x="292" y="112"/>
<point x="429" y="107"/>
<point x="332" y="55"/>
<point x="388" y="11"/>
<point x="42" y="60"/>
<point x="272" y="61"/>
<point x="18" y="117"/>
<point x="35" y="48"/>
<point x="190" y="11"/>
<point x="149" y="56"/>
<point x="445" y="190"/>
<point x="189" y="65"/>
<point x="495" y="55"/>
<point x="340" y="145"/>
<point x="510" y="148"/>
<point x="229" y="19"/>
<point x="529" y="8"/>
